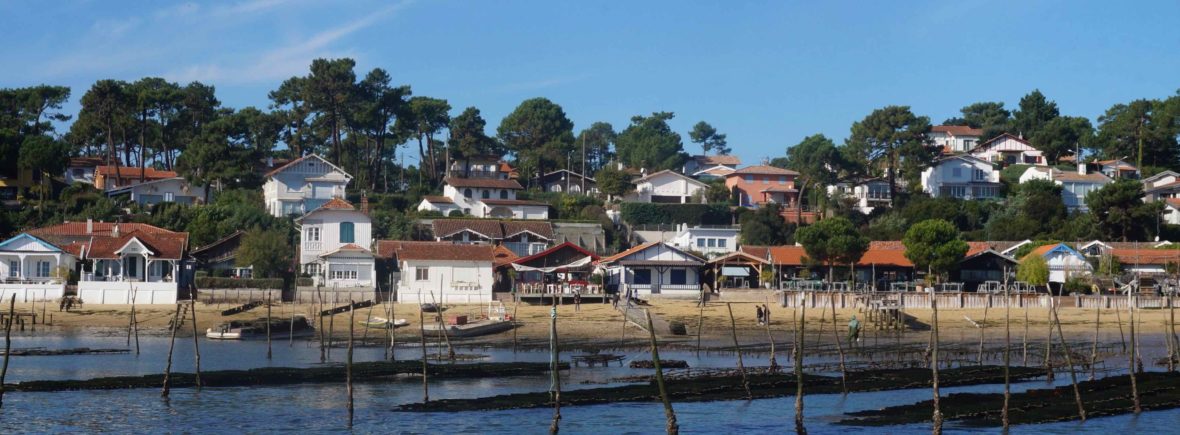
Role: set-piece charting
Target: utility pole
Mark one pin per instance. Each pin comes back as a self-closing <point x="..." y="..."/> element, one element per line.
<point x="584" y="163"/>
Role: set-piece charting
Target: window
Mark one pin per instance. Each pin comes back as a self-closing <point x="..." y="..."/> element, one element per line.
<point x="43" y="269"/>
<point x="749" y="178"/>
<point x="679" y="277"/>
<point x="782" y="180"/>
<point x="712" y="243"/>
<point x="169" y="197"/>
<point x="701" y="243"/>
<point x="311" y="269"/>
<point x="347" y="232"/>
<point x="504" y="194"/>
<point x="641" y="276"/>
<point x="343" y="274"/>
<point x="485" y="194"/>
<point x="313" y="234"/>
<point x="421" y="274"/>
<point x="720" y="243"/>
<point x="13" y="269"/>
<point x="980" y="175"/>
<point x="467" y="193"/>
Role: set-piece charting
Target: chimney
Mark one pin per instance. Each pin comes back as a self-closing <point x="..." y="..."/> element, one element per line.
<point x="270" y="162"/>
<point x="115" y="230"/>
<point x="1081" y="167"/>
<point x="89" y="225"/>
<point x="364" y="203"/>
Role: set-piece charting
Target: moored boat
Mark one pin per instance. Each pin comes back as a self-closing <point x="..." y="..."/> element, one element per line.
<point x="382" y="323"/>
<point x="256" y="329"/>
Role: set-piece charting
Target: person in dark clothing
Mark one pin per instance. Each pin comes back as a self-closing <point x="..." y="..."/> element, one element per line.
<point x="577" y="301"/>
<point x="765" y="314"/>
<point x="759" y="313"/>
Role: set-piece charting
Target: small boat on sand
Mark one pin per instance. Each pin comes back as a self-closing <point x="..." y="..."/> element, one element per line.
<point x="256" y="329"/>
<point x="473" y="329"/>
<point x="433" y="308"/>
<point x="382" y="323"/>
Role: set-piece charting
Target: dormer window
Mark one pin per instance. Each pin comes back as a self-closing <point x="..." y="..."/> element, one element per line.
<point x="485" y="194"/>
<point x="504" y="194"/>
<point x="467" y="193"/>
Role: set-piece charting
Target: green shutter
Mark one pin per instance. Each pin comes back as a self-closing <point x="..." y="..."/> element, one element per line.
<point x="346" y="232"/>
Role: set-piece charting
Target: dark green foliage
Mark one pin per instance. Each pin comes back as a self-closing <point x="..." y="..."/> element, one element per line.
<point x="468" y="139"/>
<point x="649" y="142"/>
<point x="1121" y="213"/>
<point x="539" y="134"/>
<point x="934" y="245"/>
<point x="1034" y="114"/>
<point x="612" y="181"/>
<point x="1063" y="136"/>
<point x="989" y="116"/>
<point x="640" y="213"/>
<point x="598" y="141"/>
<point x="208" y="283"/>
<point x="269" y="251"/>
<point x="833" y="241"/>
<point x="766" y="226"/>
<point x="708" y="138"/>
<point x="892" y="139"/>
<point x="232" y="210"/>
<point x="1153" y="125"/>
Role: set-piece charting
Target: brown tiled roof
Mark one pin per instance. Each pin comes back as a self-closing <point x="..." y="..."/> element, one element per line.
<point x="625" y="253"/>
<point x="438" y="199"/>
<point x="167" y="246"/>
<point x="1146" y="256"/>
<point x="492" y="183"/>
<point x="336" y="204"/>
<point x="957" y="130"/>
<point x="448" y="227"/>
<point x="350" y="247"/>
<point x="133" y="172"/>
<point x="786" y="255"/>
<point x="502" y="256"/>
<point x="441" y="251"/>
<point x="511" y="202"/>
<point x="717" y="160"/>
<point x="1174" y="202"/>
<point x="763" y="170"/>
<point x="1074" y="176"/>
<point x="78" y="229"/>
<point x="543" y="229"/>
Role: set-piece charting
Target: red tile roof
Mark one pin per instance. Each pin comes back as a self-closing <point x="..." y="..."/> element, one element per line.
<point x="337" y="204"/>
<point x="502" y="256"/>
<point x="492" y="183"/>
<point x="762" y="170"/>
<point x="449" y="227"/>
<point x="1174" y="202"/>
<point x="438" y="199"/>
<point x="78" y="229"/>
<point x="787" y="255"/>
<point x="957" y="130"/>
<point x="133" y="172"/>
<point x="439" y="251"/>
<point x="717" y="160"/>
<point x="627" y="252"/>
<point x="166" y="246"/>
<point x="1146" y="256"/>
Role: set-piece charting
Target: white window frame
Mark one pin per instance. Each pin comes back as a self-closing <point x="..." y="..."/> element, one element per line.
<point x="13" y="268"/>
<point x="313" y="234"/>
<point x="421" y="274"/>
<point x="42" y="269"/>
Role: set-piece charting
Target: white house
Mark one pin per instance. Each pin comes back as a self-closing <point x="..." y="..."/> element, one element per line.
<point x="1007" y="149"/>
<point x="709" y="241"/>
<point x="867" y="194"/>
<point x="1165" y="184"/>
<point x="334" y="246"/>
<point x="442" y="272"/>
<point x="963" y="177"/>
<point x="175" y="189"/>
<point x="489" y="196"/>
<point x="654" y="268"/>
<point x="1172" y="211"/>
<point x="33" y="269"/>
<point x="523" y="238"/>
<point x="1074" y="185"/>
<point x="129" y="262"/>
<point x="955" y="138"/>
<point x="303" y="185"/>
<point x="667" y="186"/>
<point x="709" y="167"/>
<point x="1064" y="262"/>
<point x="82" y="169"/>
<point x="1117" y="168"/>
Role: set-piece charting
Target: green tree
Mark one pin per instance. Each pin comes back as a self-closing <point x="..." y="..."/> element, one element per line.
<point x="1033" y="270"/>
<point x="380" y="105"/>
<point x="818" y="162"/>
<point x="469" y="140"/>
<point x="291" y="110"/>
<point x="894" y="138"/>
<point x="765" y="226"/>
<point x="539" y="134"/>
<point x="104" y="108"/>
<point x="1034" y="113"/>
<point x="934" y="245"/>
<point x="1063" y="135"/>
<point x="989" y="116"/>
<point x="612" y="181"/>
<point x="598" y="141"/>
<point x="222" y="154"/>
<point x="330" y="91"/>
<point x="1120" y="211"/>
<point x="428" y="116"/>
<point x="708" y="138"/>
<point x="833" y="241"/>
<point x="46" y="157"/>
<point x="1145" y="130"/>
<point x="269" y="251"/>
<point x="649" y="142"/>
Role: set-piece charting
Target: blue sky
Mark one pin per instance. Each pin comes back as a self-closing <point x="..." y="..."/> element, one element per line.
<point x="765" y="73"/>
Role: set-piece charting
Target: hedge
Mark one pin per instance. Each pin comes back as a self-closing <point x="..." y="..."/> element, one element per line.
<point x="219" y="283"/>
<point x="641" y="213"/>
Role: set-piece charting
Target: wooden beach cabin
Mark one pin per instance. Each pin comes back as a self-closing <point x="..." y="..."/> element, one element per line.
<point x="654" y="268"/>
<point x="559" y="271"/>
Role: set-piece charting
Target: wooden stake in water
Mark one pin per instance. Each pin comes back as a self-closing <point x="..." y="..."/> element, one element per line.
<point x="332" y="329"/>
<point x="1122" y="338"/>
<point x="1049" y="375"/>
<point x="934" y="346"/>
<point x="770" y="337"/>
<point x="738" y="349"/>
<point x="171" y="345"/>
<point x="1073" y="377"/>
<point x="1131" y="355"/>
<point x="369" y="318"/>
<point x="348" y="363"/>
<point x="839" y="346"/>
<point x="555" y="373"/>
<point x="1007" y="352"/>
<point x="672" y="427"/>
<point x="701" y="323"/>
<point x="982" y="334"/>
<point x="514" y="326"/>
<point x="422" y="330"/>
<point x="1024" y="340"/>
<point x="291" y="326"/>
<point x="268" y="349"/>
<point x="799" y="366"/>
<point x="320" y="315"/>
<point x="1172" y="333"/>
<point x="196" y="344"/>
<point x="7" y="344"/>
<point x="392" y="331"/>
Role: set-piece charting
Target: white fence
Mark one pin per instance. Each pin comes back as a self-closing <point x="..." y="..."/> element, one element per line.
<point x="965" y="300"/>
<point x="114" y="292"/>
<point x="32" y="292"/>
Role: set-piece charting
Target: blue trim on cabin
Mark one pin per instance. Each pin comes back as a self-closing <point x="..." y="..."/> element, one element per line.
<point x="20" y="236"/>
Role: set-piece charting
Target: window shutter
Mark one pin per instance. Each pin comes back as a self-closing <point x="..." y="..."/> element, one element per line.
<point x="346" y="232"/>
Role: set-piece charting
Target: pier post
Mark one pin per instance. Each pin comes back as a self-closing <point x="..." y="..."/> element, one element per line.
<point x="7" y="344"/>
<point x="673" y="428"/>
<point x="196" y="343"/>
<point x="737" y="348"/>
<point x="171" y="346"/>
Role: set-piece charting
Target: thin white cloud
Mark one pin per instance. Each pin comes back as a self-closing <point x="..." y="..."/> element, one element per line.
<point x="248" y="7"/>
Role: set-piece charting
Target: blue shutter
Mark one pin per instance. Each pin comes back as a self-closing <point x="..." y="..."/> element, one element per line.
<point x="346" y="232"/>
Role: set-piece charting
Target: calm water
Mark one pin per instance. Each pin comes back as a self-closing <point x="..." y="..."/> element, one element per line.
<point x="320" y="408"/>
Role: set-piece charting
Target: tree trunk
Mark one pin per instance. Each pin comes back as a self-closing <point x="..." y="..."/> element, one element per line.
<point x="934" y="357"/>
<point x="799" y="428"/>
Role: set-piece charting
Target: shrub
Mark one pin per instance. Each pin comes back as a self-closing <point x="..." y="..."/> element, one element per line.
<point x="639" y="213"/>
<point x="222" y="283"/>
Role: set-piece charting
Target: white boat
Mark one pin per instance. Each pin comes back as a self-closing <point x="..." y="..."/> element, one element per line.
<point x="382" y="323"/>
<point x="256" y="329"/>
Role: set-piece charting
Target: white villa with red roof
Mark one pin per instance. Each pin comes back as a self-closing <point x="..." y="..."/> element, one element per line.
<point x="1007" y="149"/>
<point x="955" y="138"/>
<point x="654" y="268"/>
<point x="711" y="167"/>
<point x="1074" y="185"/>
<point x="334" y="246"/>
<point x="303" y="185"/>
<point x="117" y="263"/>
<point x="441" y="272"/>
<point x="485" y="194"/>
<point x="666" y="186"/>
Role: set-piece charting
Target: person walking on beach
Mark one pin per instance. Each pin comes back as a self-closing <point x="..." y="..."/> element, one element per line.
<point x="758" y="309"/>
<point x="853" y="331"/>
<point x="765" y="314"/>
<point x="577" y="301"/>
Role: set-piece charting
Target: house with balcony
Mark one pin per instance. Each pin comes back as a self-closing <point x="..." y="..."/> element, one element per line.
<point x="952" y="139"/>
<point x="34" y="269"/>
<point x="712" y="241"/>
<point x="762" y="184"/>
<point x="121" y="263"/>
<point x="666" y="186"/>
<point x="484" y="192"/>
<point x="303" y="185"/>
<point x="175" y="190"/>
<point x="523" y="238"/>
<point x="653" y="269"/>
<point x="82" y="169"/>
<point x="711" y="167"/>
<point x="1064" y="262"/>
<point x="962" y="177"/>
<point x="865" y="194"/>
<point x="334" y="246"/>
<point x="1074" y="185"/>
<point x="563" y="180"/>
<point x="1007" y="149"/>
